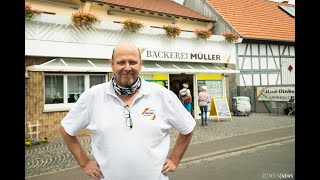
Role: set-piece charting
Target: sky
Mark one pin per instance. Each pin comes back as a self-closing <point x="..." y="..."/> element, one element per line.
<point x="179" y="1"/>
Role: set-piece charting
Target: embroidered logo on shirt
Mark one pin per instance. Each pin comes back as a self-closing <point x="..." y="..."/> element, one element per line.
<point x="148" y="112"/>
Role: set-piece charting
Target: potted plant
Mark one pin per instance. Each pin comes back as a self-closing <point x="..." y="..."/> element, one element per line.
<point x="84" y="19"/>
<point x="131" y="25"/>
<point x="28" y="142"/>
<point x="230" y="37"/>
<point x="172" y="31"/>
<point x="29" y="12"/>
<point x="202" y="33"/>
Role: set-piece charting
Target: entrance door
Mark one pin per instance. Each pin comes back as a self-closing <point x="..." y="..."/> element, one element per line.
<point x="176" y="81"/>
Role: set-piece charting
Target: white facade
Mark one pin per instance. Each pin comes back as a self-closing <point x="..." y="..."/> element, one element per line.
<point x="51" y="35"/>
<point x="78" y="49"/>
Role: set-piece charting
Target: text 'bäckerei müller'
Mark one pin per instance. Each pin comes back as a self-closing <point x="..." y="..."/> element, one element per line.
<point x="180" y="55"/>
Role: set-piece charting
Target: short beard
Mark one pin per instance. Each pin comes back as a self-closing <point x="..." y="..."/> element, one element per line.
<point x="127" y="83"/>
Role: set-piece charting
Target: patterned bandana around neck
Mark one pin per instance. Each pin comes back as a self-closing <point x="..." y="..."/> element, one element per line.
<point x="123" y="90"/>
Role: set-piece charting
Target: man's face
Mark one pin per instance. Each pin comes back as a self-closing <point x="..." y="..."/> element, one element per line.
<point x="126" y="64"/>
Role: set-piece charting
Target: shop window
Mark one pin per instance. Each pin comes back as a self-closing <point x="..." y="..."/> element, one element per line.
<point x="53" y="89"/>
<point x="75" y="87"/>
<point x="63" y="90"/>
<point x="96" y="79"/>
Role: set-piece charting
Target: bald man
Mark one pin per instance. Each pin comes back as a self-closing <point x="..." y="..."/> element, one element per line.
<point x="130" y="120"/>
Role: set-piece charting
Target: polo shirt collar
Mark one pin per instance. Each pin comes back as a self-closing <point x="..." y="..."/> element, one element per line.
<point x="143" y="90"/>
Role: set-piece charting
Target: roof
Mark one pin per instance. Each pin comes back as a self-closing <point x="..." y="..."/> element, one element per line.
<point x="168" y="7"/>
<point x="257" y="19"/>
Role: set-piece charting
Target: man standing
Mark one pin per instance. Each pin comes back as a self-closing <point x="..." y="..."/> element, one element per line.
<point x="130" y="121"/>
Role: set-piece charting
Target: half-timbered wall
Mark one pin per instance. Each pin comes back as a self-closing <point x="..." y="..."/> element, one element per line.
<point x="265" y="64"/>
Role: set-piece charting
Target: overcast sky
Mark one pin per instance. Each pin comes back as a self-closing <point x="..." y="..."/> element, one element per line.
<point x="179" y="1"/>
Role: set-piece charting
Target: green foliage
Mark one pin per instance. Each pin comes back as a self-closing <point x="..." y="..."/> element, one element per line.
<point x="202" y="33"/>
<point x="34" y="141"/>
<point x="131" y="26"/>
<point x="172" y="31"/>
<point x="231" y="37"/>
<point x="84" y="19"/>
<point x="29" y="12"/>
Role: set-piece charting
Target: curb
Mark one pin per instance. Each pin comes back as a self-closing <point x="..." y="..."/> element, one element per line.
<point x="241" y="148"/>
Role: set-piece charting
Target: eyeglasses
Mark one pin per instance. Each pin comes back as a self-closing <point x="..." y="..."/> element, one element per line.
<point x="128" y="116"/>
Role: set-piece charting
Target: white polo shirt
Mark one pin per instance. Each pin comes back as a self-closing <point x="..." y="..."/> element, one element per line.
<point x="125" y="153"/>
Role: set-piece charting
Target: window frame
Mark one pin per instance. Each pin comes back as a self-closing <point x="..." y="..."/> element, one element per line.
<point x="65" y="106"/>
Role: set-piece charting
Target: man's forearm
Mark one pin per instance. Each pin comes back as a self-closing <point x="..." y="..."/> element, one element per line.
<point x="180" y="147"/>
<point x="75" y="148"/>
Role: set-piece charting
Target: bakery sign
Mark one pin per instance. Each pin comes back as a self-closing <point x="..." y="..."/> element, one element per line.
<point x="174" y="55"/>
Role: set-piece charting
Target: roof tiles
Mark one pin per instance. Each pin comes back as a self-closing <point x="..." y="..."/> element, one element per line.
<point x="257" y="19"/>
<point x="159" y="6"/>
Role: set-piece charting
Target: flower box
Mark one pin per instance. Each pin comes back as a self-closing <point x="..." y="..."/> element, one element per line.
<point x="230" y="37"/>
<point x="131" y="25"/>
<point x="29" y="12"/>
<point x="202" y="33"/>
<point x="172" y="31"/>
<point x="84" y="19"/>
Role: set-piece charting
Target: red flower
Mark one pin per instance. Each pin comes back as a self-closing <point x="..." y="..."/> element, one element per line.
<point x="202" y="33"/>
<point x="131" y="26"/>
<point x="29" y="12"/>
<point x="172" y="31"/>
<point x="84" y="19"/>
<point x="230" y="37"/>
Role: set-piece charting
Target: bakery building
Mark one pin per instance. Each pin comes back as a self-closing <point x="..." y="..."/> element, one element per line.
<point x="63" y="60"/>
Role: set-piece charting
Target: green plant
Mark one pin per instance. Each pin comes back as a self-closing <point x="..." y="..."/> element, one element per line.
<point x="131" y="25"/>
<point x="172" y="31"/>
<point x="34" y="141"/>
<point x="29" y="12"/>
<point x="84" y="19"/>
<point x="202" y="33"/>
<point x="230" y="37"/>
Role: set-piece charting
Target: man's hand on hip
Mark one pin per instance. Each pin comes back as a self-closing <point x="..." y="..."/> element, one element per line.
<point x="92" y="169"/>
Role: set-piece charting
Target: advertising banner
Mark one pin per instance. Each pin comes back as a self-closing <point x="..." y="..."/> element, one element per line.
<point x="275" y="93"/>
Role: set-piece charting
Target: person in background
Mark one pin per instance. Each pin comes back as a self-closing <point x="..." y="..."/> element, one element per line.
<point x="176" y="88"/>
<point x="204" y="101"/>
<point x="129" y="120"/>
<point x="185" y="96"/>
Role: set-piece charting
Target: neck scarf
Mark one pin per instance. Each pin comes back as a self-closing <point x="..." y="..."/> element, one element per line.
<point x="124" y="90"/>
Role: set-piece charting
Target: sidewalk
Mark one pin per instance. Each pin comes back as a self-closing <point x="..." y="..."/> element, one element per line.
<point x="237" y="143"/>
<point x="216" y="139"/>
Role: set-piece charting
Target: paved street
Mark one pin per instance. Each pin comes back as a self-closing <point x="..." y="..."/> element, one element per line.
<point x="54" y="156"/>
<point x="265" y="162"/>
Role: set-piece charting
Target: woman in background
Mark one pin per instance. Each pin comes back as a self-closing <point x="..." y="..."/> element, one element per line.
<point x="204" y="101"/>
<point x="185" y="96"/>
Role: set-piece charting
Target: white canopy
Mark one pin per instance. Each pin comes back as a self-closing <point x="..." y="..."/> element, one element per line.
<point x="94" y="65"/>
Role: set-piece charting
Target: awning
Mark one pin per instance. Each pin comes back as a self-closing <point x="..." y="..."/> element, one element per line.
<point x="72" y="65"/>
<point x="86" y="65"/>
<point x="184" y="67"/>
